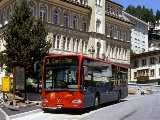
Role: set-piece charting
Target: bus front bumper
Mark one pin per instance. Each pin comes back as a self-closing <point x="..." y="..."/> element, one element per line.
<point x="48" y="105"/>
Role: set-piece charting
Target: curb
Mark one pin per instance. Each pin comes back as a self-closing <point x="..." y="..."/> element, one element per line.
<point x="4" y="115"/>
<point x="25" y="114"/>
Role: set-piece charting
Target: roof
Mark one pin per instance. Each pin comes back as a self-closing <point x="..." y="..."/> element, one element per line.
<point x="146" y="54"/>
<point x="133" y="17"/>
<point x="119" y="18"/>
<point x="115" y="3"/>
<point x="77" y="4"/>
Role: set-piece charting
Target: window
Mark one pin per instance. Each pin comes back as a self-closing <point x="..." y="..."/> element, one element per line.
<point x="64" y="43"/>
<point x="111" y="31"/>
<point x="117" y="11"/>
<point x="118" y="53"/>
<point x="135" y="75"/>
<point x="124" y="35"/>
<point x="108" y="8"/>
<point x="66" y="20"/>
<point x="68" y="43"/>
<point x="84" y="25"/>
<point x="106" y="29"/>
<point x="56" y="40"/>
<point x="77" y="48"/>
<point x="152" y="72"/>
<point x="111" y="9"/>
<point x="118" y="34"/>
<point x="43" y="14"/>
<point x="143" y="62"/>
<point x="75" y="22"/>
<point x="97" y="25"/>
<point x="136" y="63"/>
<point x="31" y="8"/>
<point x="98" y="47"/>
<point x="152" y="60"/>
<point x="114" y="10"/>
<point x="99" y="2"/>
<point x="112" y="52"/>
<point x="56" y="17"/>
<point x="85" y="2"/>
<point x="124" y="54"/>
<point x="143" y="50"/>
<point x="84" y="46"/>
<point x="75" y="45"/>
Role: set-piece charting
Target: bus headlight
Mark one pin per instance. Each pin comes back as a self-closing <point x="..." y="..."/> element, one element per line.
<point x="44" y="100"/>
<point x="77" y="101"/>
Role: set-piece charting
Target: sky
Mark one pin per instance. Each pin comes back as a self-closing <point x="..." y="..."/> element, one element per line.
<point x="150" y="4"/>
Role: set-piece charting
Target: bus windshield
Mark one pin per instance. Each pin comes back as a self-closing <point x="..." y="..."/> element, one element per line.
<point x="64" y="77"/>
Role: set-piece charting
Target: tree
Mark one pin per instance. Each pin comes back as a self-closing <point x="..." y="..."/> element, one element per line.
<point x="142" y="13"/>
<point x="39" y="47"/>
<point x="25" y="40"/>
<point x="157" y="15"/>
<point x="17" y="36"/>
<point x="132" y="53"/>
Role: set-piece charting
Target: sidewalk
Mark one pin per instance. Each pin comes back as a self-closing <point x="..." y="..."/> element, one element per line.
<point x="3" y="115"/>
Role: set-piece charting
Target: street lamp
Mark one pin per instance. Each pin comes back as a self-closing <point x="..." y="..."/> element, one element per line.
<point x="92" y="51"/>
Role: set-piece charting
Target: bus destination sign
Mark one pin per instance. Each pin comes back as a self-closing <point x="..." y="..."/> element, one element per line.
<point x="61" y="60"/>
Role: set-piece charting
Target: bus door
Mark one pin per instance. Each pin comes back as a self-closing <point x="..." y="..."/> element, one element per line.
<point x="87" y="86"/>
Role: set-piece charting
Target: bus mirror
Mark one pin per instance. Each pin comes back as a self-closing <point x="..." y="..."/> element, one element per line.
<point x="35" y="65"/>
<point x="85" y="70"/>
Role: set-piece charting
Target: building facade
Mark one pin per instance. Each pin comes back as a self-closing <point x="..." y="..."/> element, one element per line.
<point x="154" y="40"/>
<point x="139" y="34"/>
<point x="146" y="68"/>
<point x="94" y="28"/>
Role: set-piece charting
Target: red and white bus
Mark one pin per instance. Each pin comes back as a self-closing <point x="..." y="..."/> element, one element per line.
<point x="78" y="81"/>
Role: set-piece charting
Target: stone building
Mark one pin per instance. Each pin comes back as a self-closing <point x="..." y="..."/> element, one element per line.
<point x="94" y="28"/>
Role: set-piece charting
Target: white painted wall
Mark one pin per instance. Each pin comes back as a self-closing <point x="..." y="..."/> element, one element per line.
<point x="149" y="66"/>
<point x="139" y="34"/>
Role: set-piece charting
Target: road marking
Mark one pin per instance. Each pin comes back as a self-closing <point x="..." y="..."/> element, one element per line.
<point x="25" y="114"/>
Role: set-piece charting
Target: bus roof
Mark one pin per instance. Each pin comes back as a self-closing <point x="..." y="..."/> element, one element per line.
<point x="100" y="60"/>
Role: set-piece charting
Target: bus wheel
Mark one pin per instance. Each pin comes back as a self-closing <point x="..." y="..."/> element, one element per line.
<point x="96" y="101"/>
<point x="45" y="110"/>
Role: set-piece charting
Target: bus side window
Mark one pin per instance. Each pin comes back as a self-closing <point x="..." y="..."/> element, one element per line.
<point x="87" y="76"/>
<point x="85" y="70"/>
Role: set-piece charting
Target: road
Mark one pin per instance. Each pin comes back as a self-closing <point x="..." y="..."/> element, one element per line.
<point x="145" y="107"/>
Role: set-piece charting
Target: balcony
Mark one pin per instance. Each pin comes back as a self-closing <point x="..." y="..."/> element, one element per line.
<point x="142" y="78"/>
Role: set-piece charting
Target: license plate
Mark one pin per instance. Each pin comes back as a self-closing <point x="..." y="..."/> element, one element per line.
<point x="59" y="106"/>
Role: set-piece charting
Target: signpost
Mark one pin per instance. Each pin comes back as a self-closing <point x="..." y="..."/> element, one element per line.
<point x="19" y="78"/>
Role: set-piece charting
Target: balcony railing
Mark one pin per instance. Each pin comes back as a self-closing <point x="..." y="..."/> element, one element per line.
<point x="142" y="78"/>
